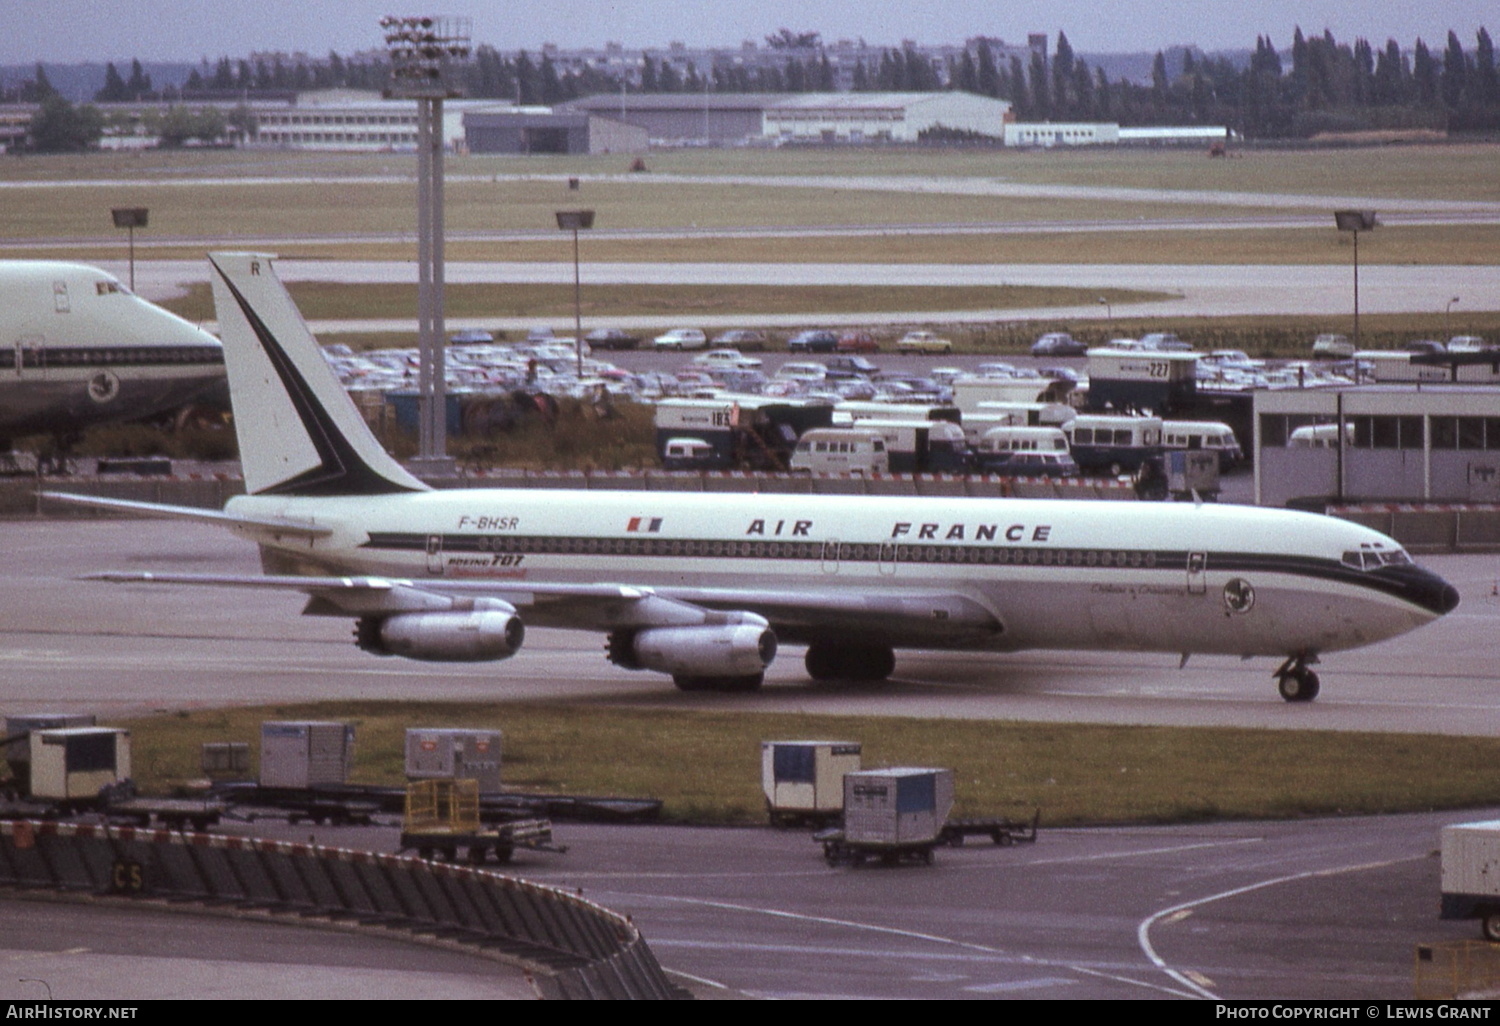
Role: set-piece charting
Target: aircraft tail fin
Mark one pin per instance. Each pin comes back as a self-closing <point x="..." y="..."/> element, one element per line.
<point x="298" y="430"/>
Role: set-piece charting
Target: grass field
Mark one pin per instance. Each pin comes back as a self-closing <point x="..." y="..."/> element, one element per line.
<point x="1455" y="172"/>
<point x="1073" y="774"/>
<point x="308" y="201"/>
<point x="329" y="301"/>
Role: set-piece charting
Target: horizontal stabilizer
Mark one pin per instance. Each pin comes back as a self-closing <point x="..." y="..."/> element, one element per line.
<point x="280" y="525"/>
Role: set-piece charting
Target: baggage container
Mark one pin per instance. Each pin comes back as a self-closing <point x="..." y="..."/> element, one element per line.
<point x="454" y="753"/>
<point x="303" y="753"/>
<point x="1471" y="874"/>
<point x="803" y="781"/>
<point x="897" y="806"/>
<point x="76" y="763"/>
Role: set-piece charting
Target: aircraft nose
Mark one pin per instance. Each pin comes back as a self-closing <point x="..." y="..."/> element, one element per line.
<point x="1422" y="587"/>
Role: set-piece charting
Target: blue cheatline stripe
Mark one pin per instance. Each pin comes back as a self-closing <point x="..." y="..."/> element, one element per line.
<point x="1115" y="560"/>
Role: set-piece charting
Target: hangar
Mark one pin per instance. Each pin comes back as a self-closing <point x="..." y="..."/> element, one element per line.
<point x="523" y="130"/>
<point x="729" y="119"/>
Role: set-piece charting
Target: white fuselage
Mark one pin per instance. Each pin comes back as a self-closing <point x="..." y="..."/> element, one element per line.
<point x="1033" y="574"/>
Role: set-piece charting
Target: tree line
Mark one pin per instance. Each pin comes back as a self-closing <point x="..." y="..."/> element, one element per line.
<point x="1320" y="85"/>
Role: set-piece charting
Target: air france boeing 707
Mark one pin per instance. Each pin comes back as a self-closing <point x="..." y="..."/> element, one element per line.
<point x="704" y="586"/>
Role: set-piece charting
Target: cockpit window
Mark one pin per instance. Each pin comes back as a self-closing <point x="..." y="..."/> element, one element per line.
<point x="1370" y="559"/>
<point x="109" y="288"/>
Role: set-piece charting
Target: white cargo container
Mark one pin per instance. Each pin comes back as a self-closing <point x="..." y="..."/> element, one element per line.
<point x="454" y="753"/>
<point x="1471" y="874"/>
<point x="803" y="781"/>
<point x="76" y="763"/>
<point x="303" y="753"/>
<point x="904" y="805"/>
<point x="18" y="731"/>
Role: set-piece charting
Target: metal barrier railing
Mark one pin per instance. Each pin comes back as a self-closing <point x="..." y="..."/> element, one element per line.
<point x="573" y="947"/>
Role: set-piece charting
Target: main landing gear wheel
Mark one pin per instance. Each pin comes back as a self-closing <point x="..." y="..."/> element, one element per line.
<point x="826" y="661"/>
<point x="732" y="685"/>
<point x="1490" y="926"/>
<point x="1296" y="682"/>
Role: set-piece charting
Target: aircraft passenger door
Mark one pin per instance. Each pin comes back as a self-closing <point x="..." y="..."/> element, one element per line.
<point x="31" y="358"/>
<point x="1197" y="563"/>
<point x="887" y="558"/>
<point x="434" y="553"/>
<point x="831" y="556"/>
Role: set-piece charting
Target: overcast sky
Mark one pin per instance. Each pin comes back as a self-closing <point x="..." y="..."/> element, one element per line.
<point x="68" y="31"/>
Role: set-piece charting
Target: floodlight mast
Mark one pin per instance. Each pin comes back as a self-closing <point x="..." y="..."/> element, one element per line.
<point x="422" y="49"/>
<point x="1355" y="221"/>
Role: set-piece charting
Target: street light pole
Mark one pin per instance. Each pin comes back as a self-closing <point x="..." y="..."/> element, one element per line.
<point x="575" y="221"/>
<point x="131" y="218"/>
<point x="1355" y="221"/>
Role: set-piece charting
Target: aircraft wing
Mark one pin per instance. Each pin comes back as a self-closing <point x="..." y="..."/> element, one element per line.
<point x="279" y="525"/>
<point x="927" y="616"/>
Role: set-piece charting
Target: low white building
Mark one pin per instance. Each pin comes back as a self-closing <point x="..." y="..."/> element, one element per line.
<point x="881" y="117"/>
<point x="352" y="121"/>
<point x="1048" y="134"/>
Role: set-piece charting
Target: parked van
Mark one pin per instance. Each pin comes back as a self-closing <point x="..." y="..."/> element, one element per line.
<point x="1113" y="443"/>
<point x="1319" y="436"/>
<point x="1025" y="452"/>
<point x="921" y="446"/>
<point x="690" y="454"/>
<point x="1203" y="434"/>
<point x="840" y="451"/>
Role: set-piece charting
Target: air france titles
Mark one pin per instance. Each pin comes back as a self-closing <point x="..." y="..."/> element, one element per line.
<point x="972" y="532"/>
<point x="781" y="528"/>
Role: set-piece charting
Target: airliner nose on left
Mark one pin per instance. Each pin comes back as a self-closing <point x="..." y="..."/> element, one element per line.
<point x="78" y="348"/>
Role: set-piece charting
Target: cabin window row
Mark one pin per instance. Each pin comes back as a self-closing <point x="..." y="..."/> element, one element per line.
<point x="124" y="355"/>
<point x="855" y="552"/>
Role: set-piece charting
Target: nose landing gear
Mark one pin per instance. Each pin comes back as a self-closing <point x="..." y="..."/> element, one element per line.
<point x="1295" y="681"/>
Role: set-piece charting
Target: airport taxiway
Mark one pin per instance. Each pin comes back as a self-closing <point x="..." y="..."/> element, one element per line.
<point x="71" y="645"/>
<point x="1310" y="909"/>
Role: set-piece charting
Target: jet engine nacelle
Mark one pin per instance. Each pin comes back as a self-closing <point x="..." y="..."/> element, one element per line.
<point x="738" y="650"/>
<point x="468" y="636"/>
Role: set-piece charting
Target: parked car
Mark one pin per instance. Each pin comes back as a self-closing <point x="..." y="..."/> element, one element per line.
<point x="681" y="338"/>
<point x="1164" y="342"/>
<point x="813" y="342"/>
<point x="995" y="370"/>
<point x="743" y="340"/>
<point x="1332" y="347"/>
<point x="850" y="366"/>
<point x="612" y="338"/>
<point x="1058" y="343"/>
<point x="468" y="337"/>
<point x="731" y="358"/>
<point x="1234" y="359"/>
<point x="1425" y="346"/>
<point x="858" y="342"/>
<point x="805" y="372"/>
<point x="1468" y="344"/>
<point x="923" y="342"/>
